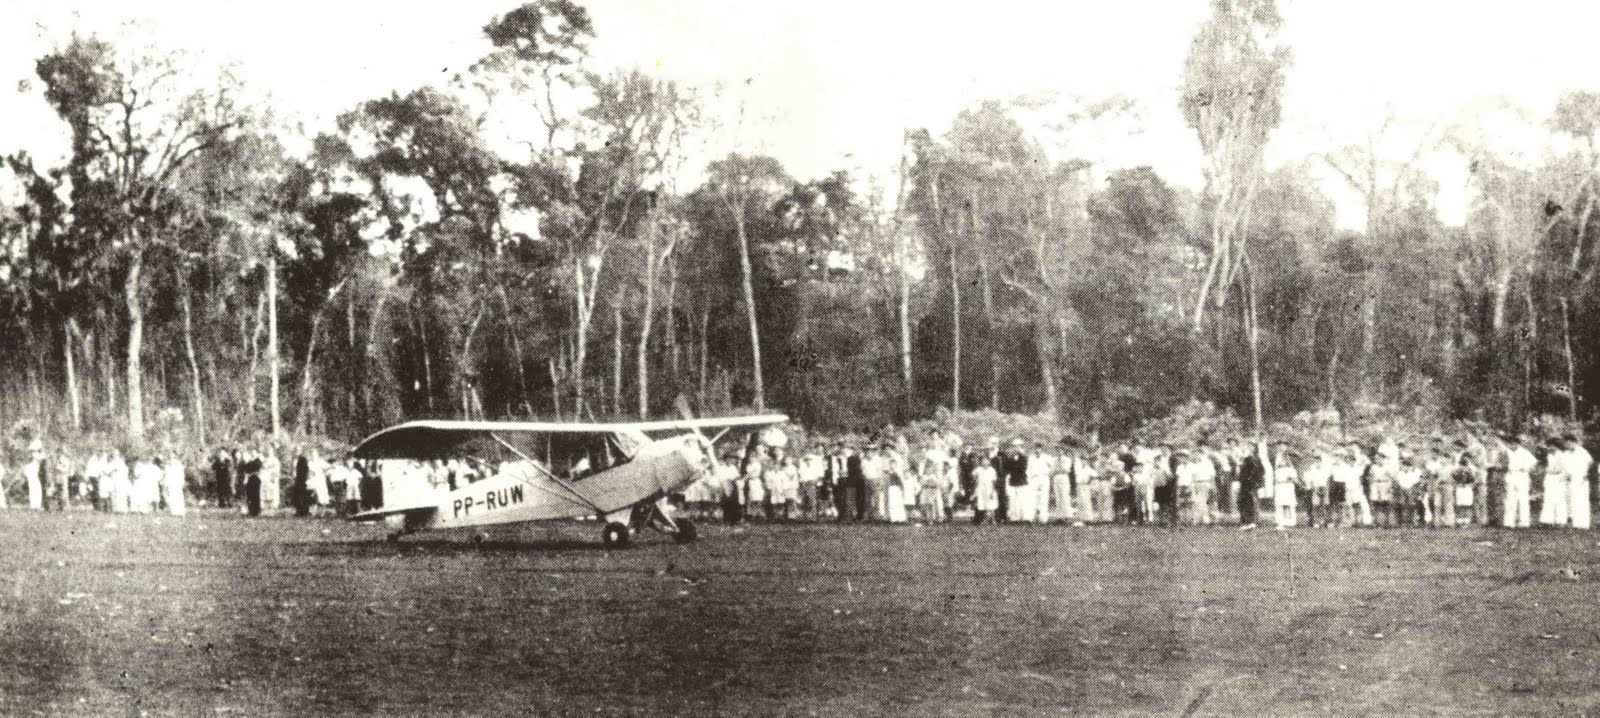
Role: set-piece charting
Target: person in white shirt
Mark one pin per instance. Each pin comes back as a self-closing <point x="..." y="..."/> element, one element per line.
<point x="1093" y="493"/>
<point x="1318" y="480"/>
<point x="782" y="480"/>
<point x="172" y="480"/>
<point x="1520" y="464"/>
<point x="1354" y="510"/>
<point x="120" y="483"/>
<point x="271" y="481"/>
<point x="1553" y="484"/>
<point x="986" y="494"/>
<point x="31" y="475"/>
<point x="1285" y="497"/>
<point x="1041" y="467"/>
<point x="810" y="472"/>
<point x="754" y="490"/>
<point x="146" y="485"/>
<point x="1579" y="463"/>
<point x="1440" y="473"/>
<point x="1144" y="484"/>
<point x="318" y="475"/>
<point x="875" y="475"/>
<point x="1408" y="492"/>
<point x="935" y="487"/>
<point x="1065" y="506"/>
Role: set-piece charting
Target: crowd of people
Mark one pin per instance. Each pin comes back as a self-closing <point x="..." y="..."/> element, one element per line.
<point x="1508" y="480"/>
<point x="252" y="481"/>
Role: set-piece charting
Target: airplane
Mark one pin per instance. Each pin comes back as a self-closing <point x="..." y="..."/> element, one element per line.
<point x="621" y="473"/>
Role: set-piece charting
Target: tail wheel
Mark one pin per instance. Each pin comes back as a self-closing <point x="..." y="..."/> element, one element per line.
<point x="686" y="532"/>
<point x="617" y="535"/>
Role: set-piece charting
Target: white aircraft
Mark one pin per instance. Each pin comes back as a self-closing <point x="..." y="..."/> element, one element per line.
<point x="621" y="473"/>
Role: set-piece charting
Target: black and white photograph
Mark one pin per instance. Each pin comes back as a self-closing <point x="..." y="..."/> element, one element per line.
<point x="843" y="358"/>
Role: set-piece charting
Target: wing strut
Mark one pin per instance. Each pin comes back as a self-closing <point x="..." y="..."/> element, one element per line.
<point x="599" y="512"/>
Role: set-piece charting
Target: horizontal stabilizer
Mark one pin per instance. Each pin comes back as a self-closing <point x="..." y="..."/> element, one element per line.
<point x="382" y="513"/>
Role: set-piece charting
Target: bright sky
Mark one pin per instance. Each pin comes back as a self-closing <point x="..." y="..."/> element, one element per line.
<point x="831" y="84"/>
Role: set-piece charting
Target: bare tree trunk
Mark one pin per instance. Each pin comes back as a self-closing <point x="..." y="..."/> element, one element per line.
<point x="705" y="349"/>
<point x="427" y="358"/>
<point x="464" y="366"/>
<point x="301" y="418"/>
<point x="676" y="348"/>
<point x="131" y="296"/>
<point x="273" y="365"/>
<point x="581" y="351"/>
<point x="255" y="356"/>
<point x="516" y="349"/>
<point x="748" y="284"/>
<point x="197" y="398"/>
<point x="641" y="356"/>
<point x="616" y="360"/>
<point x="1530" y="348"/>
<point x="1369" y="333"/>
<point x="68" y="329"/>
<point x="994" y="335"/>
<point x="1255" y="347"/>
<point x="1572" y="372"/>
<point x="905" y="334"/>
<point x="555" y="388"/>
<point x="955" y="335"/>
<point x="1047" y="369"/>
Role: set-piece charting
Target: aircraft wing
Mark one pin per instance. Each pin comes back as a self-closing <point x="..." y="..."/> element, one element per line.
<point x="434" y="438"/>
<point x="659" y="429"/>
<point x="387" y="511"/>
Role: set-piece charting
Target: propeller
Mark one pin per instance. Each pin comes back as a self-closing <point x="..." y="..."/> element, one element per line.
<point x="681" y="403"/>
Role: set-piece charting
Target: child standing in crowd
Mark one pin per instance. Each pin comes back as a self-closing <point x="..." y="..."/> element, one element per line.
<point x="753" y="489"/>
<point x="1408" y="492"/>
<point x="986" y="496"/>
<point x="1285" y="494"/>
<point x="1318" y="480"/>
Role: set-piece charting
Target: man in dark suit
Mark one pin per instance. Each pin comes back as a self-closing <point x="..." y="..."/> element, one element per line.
<point x="855" y="483"/>
<point x="1252" y="476"/>
<point x="222" y="478"/>
<point x="1013" y="475"/>
<point x="835" y="478"/>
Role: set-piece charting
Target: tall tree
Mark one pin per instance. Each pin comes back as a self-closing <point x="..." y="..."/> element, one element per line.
<point x="134" y="125"/>
<point x="743" y="185"/>
<point x="1232" y="98"/>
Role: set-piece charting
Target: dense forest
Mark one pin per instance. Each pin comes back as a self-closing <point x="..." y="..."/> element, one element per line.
<point x="196" y="268"/>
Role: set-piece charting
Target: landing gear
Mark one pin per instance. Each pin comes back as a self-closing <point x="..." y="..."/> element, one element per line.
<point x="658" y="515"/>
<point x="686" y="532"/>
<point x="617" y="535"/>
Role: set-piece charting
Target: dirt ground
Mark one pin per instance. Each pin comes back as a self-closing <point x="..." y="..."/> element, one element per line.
<point x="217" y="614"/>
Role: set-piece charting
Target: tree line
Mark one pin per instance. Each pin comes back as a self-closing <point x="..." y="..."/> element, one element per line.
<point x="197" y="268"/>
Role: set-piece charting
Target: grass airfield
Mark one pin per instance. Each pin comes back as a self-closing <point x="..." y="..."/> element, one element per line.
<point x="219" y="614"/>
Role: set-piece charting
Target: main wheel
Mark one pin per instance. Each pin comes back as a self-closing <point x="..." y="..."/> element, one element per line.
<point x="686" y="532"/>
<point x="616" y="535"/>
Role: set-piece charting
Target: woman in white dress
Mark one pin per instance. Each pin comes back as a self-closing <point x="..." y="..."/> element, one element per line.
<point x="985" y="496"/>
<point x="895" y="509"/>
<point x="146" y="485"/>
<point x="172" y="485"/>
<point x="1285" y="479"/>
<point x="30" y="474"/>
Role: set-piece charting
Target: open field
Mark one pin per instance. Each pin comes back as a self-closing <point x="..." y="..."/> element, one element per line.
<point x="219" y="614"/>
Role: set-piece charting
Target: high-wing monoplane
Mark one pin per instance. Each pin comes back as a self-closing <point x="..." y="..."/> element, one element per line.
<point x="620" y="473"/>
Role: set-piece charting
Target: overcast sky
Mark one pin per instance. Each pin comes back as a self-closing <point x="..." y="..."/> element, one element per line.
<point x="831" y="84"/>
